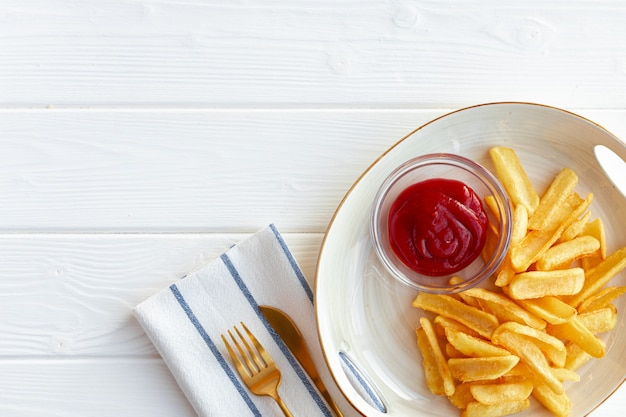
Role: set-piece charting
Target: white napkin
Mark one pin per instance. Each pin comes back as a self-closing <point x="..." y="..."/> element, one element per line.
<point x="185" y="321"/>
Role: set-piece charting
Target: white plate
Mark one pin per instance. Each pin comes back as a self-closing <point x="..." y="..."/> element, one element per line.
<point x="365" y="316"/>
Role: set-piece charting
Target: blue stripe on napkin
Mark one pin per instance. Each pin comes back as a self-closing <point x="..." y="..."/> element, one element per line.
<point x="255" y="306"/>
<point x="218" y="356"/>
<point x="277" y="339"/>
<point x="293" y="263"/>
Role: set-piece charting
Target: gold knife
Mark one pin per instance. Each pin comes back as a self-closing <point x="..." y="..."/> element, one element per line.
<point x="287" y="330"/>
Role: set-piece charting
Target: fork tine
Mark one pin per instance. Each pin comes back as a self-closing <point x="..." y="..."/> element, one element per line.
<point x="250" y="366"/>
<point x="266" y="357"/>
<point x="251" y="352"/>
<point x="260" y="378"/>
<point x="241" y="368"/>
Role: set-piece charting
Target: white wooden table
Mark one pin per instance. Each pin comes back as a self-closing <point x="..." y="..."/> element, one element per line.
<point x="141" y="138"/>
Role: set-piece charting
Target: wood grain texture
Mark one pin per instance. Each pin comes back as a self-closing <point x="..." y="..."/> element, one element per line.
<point x="70" y="346"/>
<point x="193" y="171"/>
<point x="98" y="388"/>
<point x="397" y="53"/>
<point x="139" y="139"/>
<point x="186" y="171"/>
<point x="70" y="296"/>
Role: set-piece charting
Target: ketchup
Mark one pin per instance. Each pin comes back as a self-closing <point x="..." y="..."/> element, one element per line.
<point x="437" y="227"/>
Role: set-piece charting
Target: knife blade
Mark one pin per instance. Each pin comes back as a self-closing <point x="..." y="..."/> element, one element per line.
<point x="288" y="331"/>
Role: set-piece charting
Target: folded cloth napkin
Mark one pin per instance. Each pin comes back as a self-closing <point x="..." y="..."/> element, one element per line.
<point x="185" y="321"/>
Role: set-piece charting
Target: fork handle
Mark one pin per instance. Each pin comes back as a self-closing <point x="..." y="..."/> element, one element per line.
<point x="283" y="406"/>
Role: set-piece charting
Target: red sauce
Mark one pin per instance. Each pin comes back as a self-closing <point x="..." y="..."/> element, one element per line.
<point x="437" y="227"/>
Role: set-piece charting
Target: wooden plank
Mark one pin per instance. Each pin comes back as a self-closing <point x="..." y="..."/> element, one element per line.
<point x="68" y="296"/>
<point x="107" y="387"/>
<point x="314" y="53"/>
<point x="193" y="171"/>
<point x="180" y="171"/>
<point x="102" y="387"/>
<point x="69" y="346"/>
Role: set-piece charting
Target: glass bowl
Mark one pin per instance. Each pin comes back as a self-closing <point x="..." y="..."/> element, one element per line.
<point x="443" y="166"/>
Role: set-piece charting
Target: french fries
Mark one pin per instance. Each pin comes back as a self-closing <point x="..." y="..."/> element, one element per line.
<point x="554" y="197"/>
<point x="478" y="409"/>
<point x="536" y="242"/>
<point x="576" y="228"/>
<point x="431" y="373"/>
<point x="480" y="369"/>
<point x="480" y="321"/>
<point x="513" y="177"/>
<point x="504" y="308"/>
<point x="599" y="321"/>
<point x="497" y="393"/>
<point x="438" y="358"/>
<point x="491" y="351"/>
<point x="462" y="395"/>
<point x="536" y="284"/>
<point x="553" y="348"/>
<point x="575" y="331"/>
<point x="519" y="223"/>
<point x="576" y="356"/>
<point x="473" y="347"/>
<point x="597" y="277"/>
<point x="559" y="404"/>
<point x="562" y="255"/>
<point x="601" y="299"/>
<point x="551" y="309"/>
<point x="595" y="228"/>
<point x="531" y="355"/>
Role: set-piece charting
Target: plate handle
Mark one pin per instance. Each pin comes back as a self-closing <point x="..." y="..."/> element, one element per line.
<point x="361" y="383"/>
<point x="613" y="166"/>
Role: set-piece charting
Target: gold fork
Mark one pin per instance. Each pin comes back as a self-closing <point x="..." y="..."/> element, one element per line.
<point x="255" y="366"/>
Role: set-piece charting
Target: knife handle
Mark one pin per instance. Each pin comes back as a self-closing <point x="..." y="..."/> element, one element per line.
<point x="309" y="367"/>
<point x="329" y="400"/>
